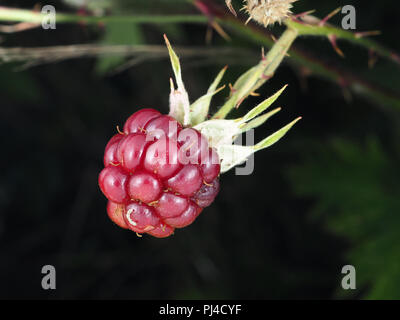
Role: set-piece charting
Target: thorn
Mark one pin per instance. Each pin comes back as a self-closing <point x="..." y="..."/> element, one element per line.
<point x="372" y="58"/>
<point x="220" y="88"/>
<point x="114" y="164"/>
<point x="230" y="7"/>
<point x="359" y="35"/>
<point x="220" y="31"/>
<point x="139" y="235"/>
<point x="332" y="38"/>
<point x="324" y="20"/>
<point x="207" y="184"/>
<point x="303" y="14"/>
<point x="166" y="40"/>
<point x="209" y="34"/>
<point x="119" y="131"/>
<point x="254" y="94"/>
<point x="265" y="77"/>
<point x="262" y="53"/>
<point x="239" y="103"/>
<point x="153" y="203"/>
<point x="171" y="83"/>
<point x="247" y="21"/>
<point x="273" y="38"/>
<point x="37" y="7"/>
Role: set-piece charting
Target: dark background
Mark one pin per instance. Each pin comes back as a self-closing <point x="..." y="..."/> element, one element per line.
<point x="325" y="196"/>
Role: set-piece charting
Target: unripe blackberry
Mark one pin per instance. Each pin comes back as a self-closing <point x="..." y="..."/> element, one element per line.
<point x="158" y="176"/>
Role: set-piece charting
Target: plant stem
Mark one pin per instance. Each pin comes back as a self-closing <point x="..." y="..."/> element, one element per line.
<point x="18" y="15"/>
<point x="259" y="36"/>
<point x="265" y="69"/>
<point x="358" y="38"/>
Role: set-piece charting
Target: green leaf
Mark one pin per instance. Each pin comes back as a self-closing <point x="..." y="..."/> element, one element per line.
<point x="355" y="190"/>
<point x="233" y="155"/>
<point x="176" y="65"/>
<point x="275" y="137"/>
<point x="259" y="120"/>
<point x="263" y="105"/>
<point x="179" y="99"/>
<point x="199" y="109"/>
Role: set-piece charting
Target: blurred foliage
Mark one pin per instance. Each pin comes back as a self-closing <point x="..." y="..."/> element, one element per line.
<point x="356" y="190"/>
<point x="116" y="33"/>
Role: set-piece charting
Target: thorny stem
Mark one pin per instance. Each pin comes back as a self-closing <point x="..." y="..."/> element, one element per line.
<point x="268" y="65"/>
<point x="21" y="15"/>
<point x="308" y="28"/>
<point x="298" y="58"/>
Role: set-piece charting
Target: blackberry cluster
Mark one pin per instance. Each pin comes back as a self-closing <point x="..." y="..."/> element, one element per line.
<point x="158" y="176"/>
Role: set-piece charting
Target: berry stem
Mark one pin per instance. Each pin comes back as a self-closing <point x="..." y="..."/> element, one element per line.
<point x="259" y="74"/>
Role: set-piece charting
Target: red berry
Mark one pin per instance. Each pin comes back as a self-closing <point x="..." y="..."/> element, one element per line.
<point x="112" y="181"/>
<point x="171" y="205"/>
<point x="140" y="218"/>
<point x="116" y="213"/>
<point x="158" y="176"/>
<point x="163" y="126"/>
<point x="187" y="181"/>
<point x="194" y="146"/>
<point x="144" y="186"/>
<point x="210" y="167"/>
<point x="207" y="193"/>
<point x="138" y="120"/>
<point x="162" y="231"/>
<point x="162" y="158"/>
<point x="131" y="149"/>
<point x="110" y="154"/>
<point x="186" y="218"/>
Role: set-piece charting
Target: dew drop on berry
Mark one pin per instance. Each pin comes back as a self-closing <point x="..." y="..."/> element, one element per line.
<point x="144" y="186"/>
<point x="112" y="181"/>
<point x="187" y="181"/>
<point x="137" y="121"/>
